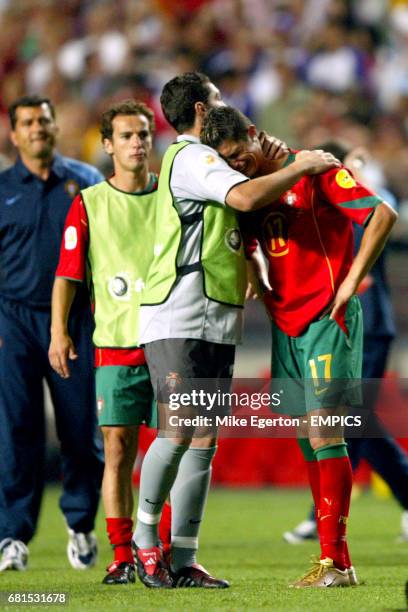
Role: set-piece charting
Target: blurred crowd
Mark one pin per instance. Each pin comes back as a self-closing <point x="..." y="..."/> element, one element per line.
<point x="305" y="70"/>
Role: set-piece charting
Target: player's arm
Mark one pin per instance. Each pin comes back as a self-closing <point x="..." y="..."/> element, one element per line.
<point x="372" y="243"/>
<point x="258" y="281"/>
<point x="61" y="347"/>
<point x="257" y="271"/>
<point x="259" y="192"/>
<point x="70" y="271"/>
<point x="200" y="173"/>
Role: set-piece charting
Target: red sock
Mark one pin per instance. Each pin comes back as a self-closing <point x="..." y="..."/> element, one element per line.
<point x="314" y="481"/>
<point x="347" y="559"/>
<point x="165" y="527"/>
<point x="335" y="492"/>
<point x="120" y="531"/>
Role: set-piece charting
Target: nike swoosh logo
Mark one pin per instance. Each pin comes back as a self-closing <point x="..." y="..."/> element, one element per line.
<point x="154" y="503"/>
<point x="12" y="200"/>
<point x="193" y="522"/>
<point x="320" y="391"/>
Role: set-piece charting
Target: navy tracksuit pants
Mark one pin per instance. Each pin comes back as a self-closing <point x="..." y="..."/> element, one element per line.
<point x="24" y="341"/>
<point x="383" y="454"/>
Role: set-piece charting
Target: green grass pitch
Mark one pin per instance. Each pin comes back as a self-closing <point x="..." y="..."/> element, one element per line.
<point x="241" y="541"/>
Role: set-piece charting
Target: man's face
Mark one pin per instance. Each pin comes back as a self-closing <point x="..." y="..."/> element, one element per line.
<point x="243" y="155"/>
<point x="35" y="132"/>
<point x="131" y="142"/>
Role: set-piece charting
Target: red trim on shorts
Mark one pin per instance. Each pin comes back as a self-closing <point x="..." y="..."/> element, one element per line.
<point x="119" y="357"/>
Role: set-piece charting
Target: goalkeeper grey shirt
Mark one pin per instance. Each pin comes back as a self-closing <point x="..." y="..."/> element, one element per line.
<point x="198" y="175"/>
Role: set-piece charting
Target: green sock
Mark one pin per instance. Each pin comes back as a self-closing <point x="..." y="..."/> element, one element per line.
<point x="306" y="448"/>
<point x="332" y="451"/>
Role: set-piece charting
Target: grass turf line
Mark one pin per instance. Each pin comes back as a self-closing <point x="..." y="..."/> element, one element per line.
<point x="241" y="541"/>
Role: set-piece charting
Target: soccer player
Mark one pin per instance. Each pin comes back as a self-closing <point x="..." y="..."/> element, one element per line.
<point x="307" y="237"/>
<point x="191" y="315"/>
<point x="35" y="195"/>
<point x="382" y="452"/>
<point x="108" y="238"/>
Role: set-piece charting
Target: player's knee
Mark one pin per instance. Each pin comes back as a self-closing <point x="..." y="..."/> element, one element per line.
<point x="182" y="439"/>
<point x="208" y="441"/>
<point x="317" y="442"/>
<point x="119" y="445"/>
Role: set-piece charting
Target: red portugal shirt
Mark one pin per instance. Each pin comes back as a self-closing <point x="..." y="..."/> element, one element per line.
<point x="72" y="265"/>
<point x="307" y="237"/>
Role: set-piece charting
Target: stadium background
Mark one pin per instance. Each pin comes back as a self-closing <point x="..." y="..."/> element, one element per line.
<point x="304" y="70"/>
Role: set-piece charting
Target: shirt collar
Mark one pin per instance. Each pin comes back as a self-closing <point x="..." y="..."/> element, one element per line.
<point x="188" y="137"/>
<point x="22" y="170"/>
<point x="290" y="159"/>
<point x="57" y="168"/>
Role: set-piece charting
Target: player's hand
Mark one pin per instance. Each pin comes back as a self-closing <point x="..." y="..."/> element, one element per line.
<point x="346" y="291"/>
<point x="256" y="290"/>
<point x="258" y="282"/>
<point x="252" y="292"/>
<point x="317" y="161"/>
<point x="272" y="147"/>
<point x="61" y="349"/>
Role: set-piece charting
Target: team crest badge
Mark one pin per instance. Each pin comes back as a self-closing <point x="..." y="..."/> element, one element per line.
<point x="344" y="179"/>
<point x="290" y="198"/>
<point x="172" y="380"/>
<point x="71" y="187"/>
<point x="208" y="159"/>
<point x="233" y="239"/>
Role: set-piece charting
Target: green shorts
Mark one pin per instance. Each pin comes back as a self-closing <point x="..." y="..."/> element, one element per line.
<point x="323" y="364"/>
<point x="125" y="396"/>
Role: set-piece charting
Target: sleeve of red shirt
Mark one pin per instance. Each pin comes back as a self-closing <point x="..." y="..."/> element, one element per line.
<point x="339" y="188"/>
<point x="74" y="244"/>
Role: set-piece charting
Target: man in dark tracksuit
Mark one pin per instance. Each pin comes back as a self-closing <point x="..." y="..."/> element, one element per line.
<point x="35" y="195"/>
<point x="380" y="450"/>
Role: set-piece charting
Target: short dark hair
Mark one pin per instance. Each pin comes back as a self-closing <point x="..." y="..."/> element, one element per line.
<point x="224" y="123"/>
<point x="125" y="107"/>
<point x="179" y="97"/>
<point x="338" y="148"/>
<point x="31" y="101"/>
